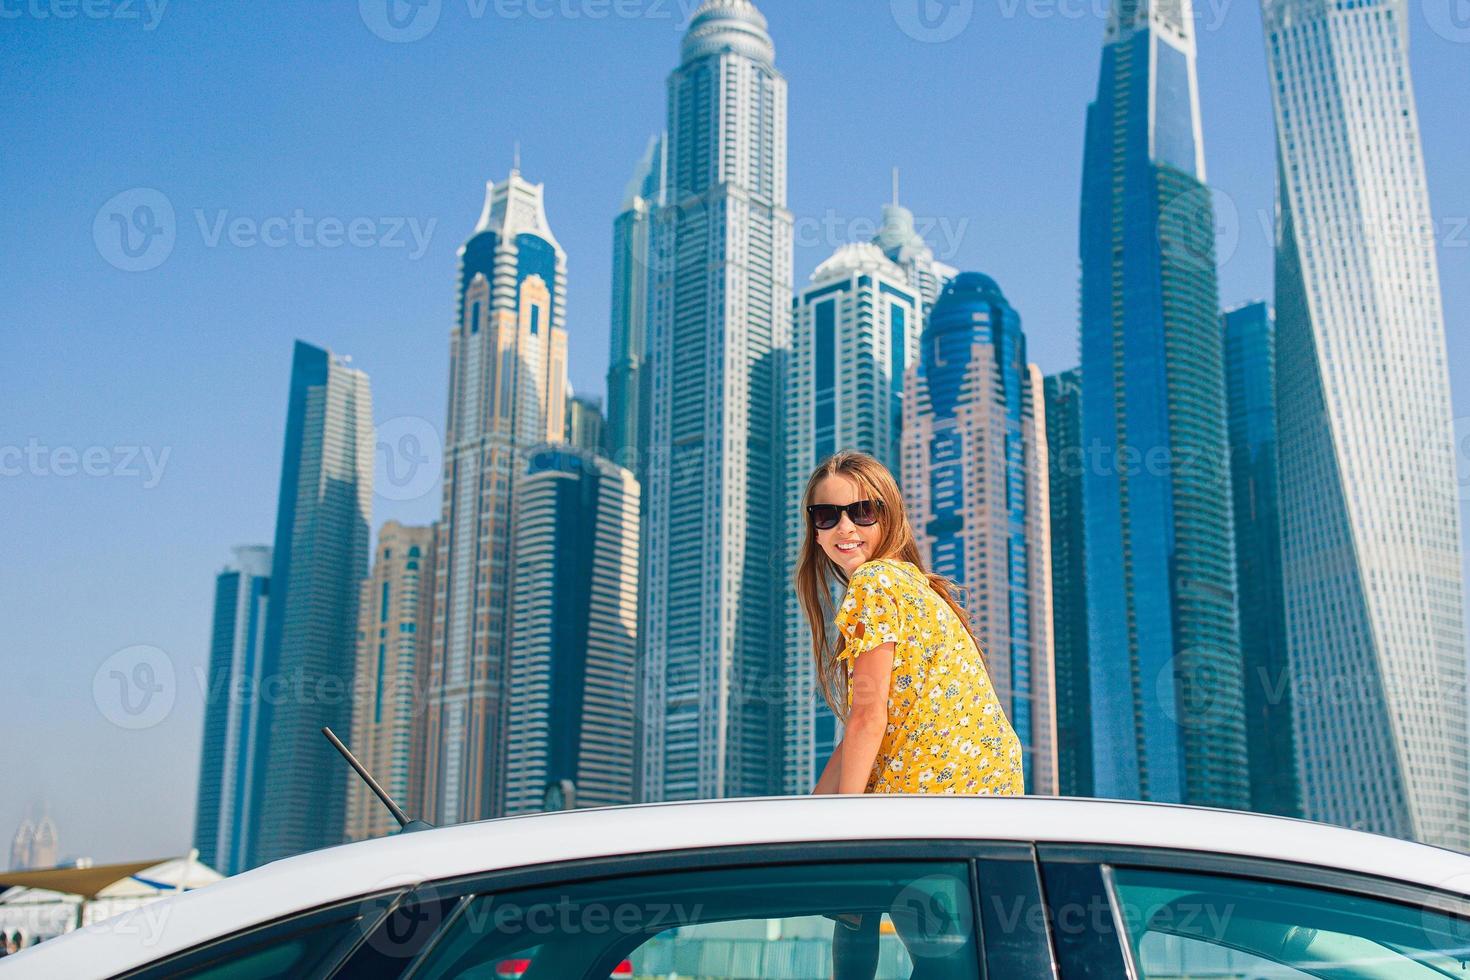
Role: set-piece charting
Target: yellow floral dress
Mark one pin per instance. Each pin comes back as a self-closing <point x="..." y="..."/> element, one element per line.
<point x="947" y="732"/>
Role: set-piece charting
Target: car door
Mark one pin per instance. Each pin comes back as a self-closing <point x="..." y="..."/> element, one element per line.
<point x="921" y="909"/>
<point x="1149" y="915"/>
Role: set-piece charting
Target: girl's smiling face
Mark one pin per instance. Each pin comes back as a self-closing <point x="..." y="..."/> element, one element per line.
<point x="848" y="545"/>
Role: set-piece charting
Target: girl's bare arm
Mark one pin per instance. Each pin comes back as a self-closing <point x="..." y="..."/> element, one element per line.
<point x="867" y="720"/>
<point x="827" y="782"/>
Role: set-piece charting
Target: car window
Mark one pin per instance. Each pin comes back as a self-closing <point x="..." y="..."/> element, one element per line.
<point x="1194" y="925"/>
<point x="304" y="946"/>
<point x="891" y="918"/>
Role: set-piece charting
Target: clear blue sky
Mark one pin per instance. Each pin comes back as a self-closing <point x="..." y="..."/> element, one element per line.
<point x="253" y="109"/>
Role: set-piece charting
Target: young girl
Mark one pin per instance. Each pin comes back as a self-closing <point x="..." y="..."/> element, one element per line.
<point x="919" y="713"/>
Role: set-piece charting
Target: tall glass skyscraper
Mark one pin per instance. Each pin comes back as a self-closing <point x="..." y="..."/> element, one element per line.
<point x="855" y="332"/>
<point x="318" y="562"/>
<point x="632" y="284"/>
<point x="394" y="620"/>
<point x="507" y="391"/>
<point x="975" y="483"/>
<point x="712" y="626"/>
<point x="1063" y="394"/>
<point x="1371" y="533"/>
<point x="574" y="638"/>
<point x="1250" y="387"/>
<point x="231" y="714"/>
<point x="1162" y="636"/>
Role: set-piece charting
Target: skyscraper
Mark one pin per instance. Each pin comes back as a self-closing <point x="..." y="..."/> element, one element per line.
<point x="394" y="619"/>
<point x="855" y="331"/>
<point x="232" y="735"/>
<point x="632" y="284"/>
<point x="574" y="644"/>
<point x="507" y="389"/>
<point x="975" y="483"/>
<point x="585" y="424"/>
<point x="900" y="240"/>
<point x="319" y="559"/>
<point x="1163" y="643"/>
<point x="1371" y="537"/>
<point x="1250" y="388"/>
<point x="1063" y="394"/>
<point x="722" y="298"/>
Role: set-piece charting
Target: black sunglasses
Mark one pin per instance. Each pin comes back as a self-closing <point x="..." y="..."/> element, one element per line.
<point x="864" y="513"/>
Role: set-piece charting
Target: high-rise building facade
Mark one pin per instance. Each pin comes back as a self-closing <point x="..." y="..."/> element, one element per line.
<point x="632" y="285"/>
<point x="318" y="562"/>
<point x="574" y="638"/>
<point x="1371" y="562"/>
<point x="232" y="735"/>
<point x="586" y="427"/>
<point x="1250" y="391"/>
<point x="1165" y="665"/>
<point x="975" y="481"/>
<point x="1063" y="394"/>
<point x="712" y="622"/>
<point x="507" y="391"/>
<point x="394" y="620"/>
<point x="854" y="334"/>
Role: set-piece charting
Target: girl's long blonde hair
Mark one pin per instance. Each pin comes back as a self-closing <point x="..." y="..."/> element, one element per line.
<point x="815" y="572"/>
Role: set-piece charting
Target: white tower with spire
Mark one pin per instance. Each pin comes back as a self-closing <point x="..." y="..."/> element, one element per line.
<point x="507" y="391"/>
<point x="855" y="332"/>
<point x="901" y="242"/>
<point x="719" y="325"/>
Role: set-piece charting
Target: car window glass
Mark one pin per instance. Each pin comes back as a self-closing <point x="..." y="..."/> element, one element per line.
<point x="1182" y="925"/>
<point x="278" y="952"/>
<point x="890" y="919"/>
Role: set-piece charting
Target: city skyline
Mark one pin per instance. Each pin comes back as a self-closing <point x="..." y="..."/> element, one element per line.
<point x="244" y="532"/>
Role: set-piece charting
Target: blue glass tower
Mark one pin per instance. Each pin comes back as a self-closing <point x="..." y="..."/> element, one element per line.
<point x="974" y="479"/>
<point x="1068" y="582"/>
<point x="320" y="556"/>
<point x="231" y="714"/>
<point x="1250" y="384"/>
<point x="1164" y="653"/>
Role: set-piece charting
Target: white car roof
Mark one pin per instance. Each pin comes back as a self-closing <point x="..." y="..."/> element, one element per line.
<point x="340" y="873"/>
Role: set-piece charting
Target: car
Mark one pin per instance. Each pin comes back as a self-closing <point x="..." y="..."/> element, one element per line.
<point x="887" y="886"/>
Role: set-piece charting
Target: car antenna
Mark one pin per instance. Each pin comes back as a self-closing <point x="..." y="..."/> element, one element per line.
<point x="405" y="825"/>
